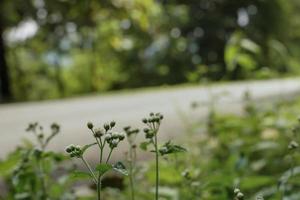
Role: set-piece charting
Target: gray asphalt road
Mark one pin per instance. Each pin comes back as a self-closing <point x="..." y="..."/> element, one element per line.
<point x="128" y="109"/>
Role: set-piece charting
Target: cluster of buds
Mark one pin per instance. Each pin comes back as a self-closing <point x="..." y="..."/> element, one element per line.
<point x="114" y="138"/>
<point x="74" y="151"/>
<point x="111" y="137"/>
<point x="153" y="119"/>
<point x="238" y="194"/>
<point x="153" y="123"/>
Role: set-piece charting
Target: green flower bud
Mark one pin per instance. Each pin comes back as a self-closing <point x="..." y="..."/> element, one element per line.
<point x="55" y="128"/>
<point x="112" y="124"/>
<point x="90" y="125"/>
<point x="127" y="128"/>
<point x="121" y="136"/>
<point x="107" y="137"/>
<point x="106" y="127"/>
<point x="145" y="121"/>
<point x="68" y="150"/>
<point x="98" y="133"/>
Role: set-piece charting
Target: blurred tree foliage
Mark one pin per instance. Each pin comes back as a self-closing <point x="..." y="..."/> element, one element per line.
<point x="57" y="48"/>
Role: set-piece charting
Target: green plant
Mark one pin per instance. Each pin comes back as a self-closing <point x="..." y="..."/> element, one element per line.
<point x="153" y="123"/>
<point x="28" y="170"/>
<point x="131" y="137"/>
<point x="103" y="137"/>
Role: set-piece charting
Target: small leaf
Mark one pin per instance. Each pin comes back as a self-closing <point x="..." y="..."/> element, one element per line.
<point x="103" y="168"/>
<point x="169" y="148"/>
<point x="120" y="167"/>
<point x="80" y="175"/>
<point x="85" y="147"/>
<point x="144" y="145"/>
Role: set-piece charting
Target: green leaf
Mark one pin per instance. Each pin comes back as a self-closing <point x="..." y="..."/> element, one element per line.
<point x="85" y="147"/>
<point x="144" y="145"/>
<point x="169" y="148"/>
<point x="80" y="175"/>
<point x="120" y="167"/>
<point x="103" y="168"/>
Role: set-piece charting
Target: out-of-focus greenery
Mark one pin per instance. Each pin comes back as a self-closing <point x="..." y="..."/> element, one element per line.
<point x="89" y="46"/>
<point x="257" y="152"/>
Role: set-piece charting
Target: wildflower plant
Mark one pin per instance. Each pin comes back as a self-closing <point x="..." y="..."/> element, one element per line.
<point x="31" y="177"/>
<point x="131" y="158"/>
<point x="104" y="137"/>
<point x="153" y="123"/>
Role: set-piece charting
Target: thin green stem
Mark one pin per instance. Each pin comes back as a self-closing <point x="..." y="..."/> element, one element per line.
<point x="111" y="150"/>
<point x="99" y="187"/>
<point x="156" y="166"/>
<point x="131" y="175"/>
<point x="90" y="170"/>
<point x="42" y="177"/>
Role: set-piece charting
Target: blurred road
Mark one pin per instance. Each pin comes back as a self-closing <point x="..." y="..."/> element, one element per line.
<point x="129" y="108"/>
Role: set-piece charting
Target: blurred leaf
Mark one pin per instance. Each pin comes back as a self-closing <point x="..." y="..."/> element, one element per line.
<point x="169" y="148"/>
<point x="120" y="167"/>
<point x="103" y="168"/>
<point x="80" y="175"/>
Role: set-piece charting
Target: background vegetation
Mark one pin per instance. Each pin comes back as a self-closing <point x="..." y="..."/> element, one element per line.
<point x="257" y="152"/>
<point x="51" y="49"/>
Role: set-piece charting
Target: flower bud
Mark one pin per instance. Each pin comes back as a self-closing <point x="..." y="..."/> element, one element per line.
<point x="115" y="135"/>
<point x="98" y="133"/>
<point x="145" y="121"/>
<point x="236" y="191"/>
<point x="107" y="137"/>
<point x="68" y="150"/>
<point x="55" y="128"/>
<point x="146" y="130"/>
<point x="112" y="124"/>
<point x="106" y="127"/>
<point x="121" y="136"/>
<point x="90" y="125"/>
<point x="240" y="196"/>
<point x="127" y="128"/>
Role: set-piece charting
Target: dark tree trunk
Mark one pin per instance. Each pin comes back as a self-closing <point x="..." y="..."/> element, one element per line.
<point x="4" y="73"/>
